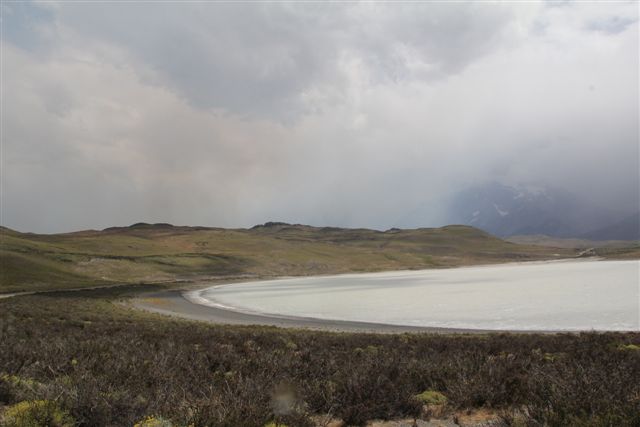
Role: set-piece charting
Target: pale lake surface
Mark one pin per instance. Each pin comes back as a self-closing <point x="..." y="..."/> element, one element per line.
<point x="558" y="295"/>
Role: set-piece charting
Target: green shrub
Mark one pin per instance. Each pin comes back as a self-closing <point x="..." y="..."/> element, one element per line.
<point x="18" y="388"/>
<point x="629" y="347"/>
<point x="431" y="397"/>
<point x="36" y="413"/>
<point x="153" y="421"/>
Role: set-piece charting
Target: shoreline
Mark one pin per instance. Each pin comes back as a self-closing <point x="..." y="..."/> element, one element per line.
<point x="173" y="303"/>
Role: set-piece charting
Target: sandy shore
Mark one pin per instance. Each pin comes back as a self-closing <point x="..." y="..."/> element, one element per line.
<point x="173" y="303"/>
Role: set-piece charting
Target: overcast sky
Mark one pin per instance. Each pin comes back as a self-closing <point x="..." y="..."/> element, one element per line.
<point x="351" y="114"/>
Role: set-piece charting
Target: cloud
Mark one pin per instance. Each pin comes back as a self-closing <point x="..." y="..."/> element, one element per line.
<point x="257" y="59"/>
<point x="355" y="114"/>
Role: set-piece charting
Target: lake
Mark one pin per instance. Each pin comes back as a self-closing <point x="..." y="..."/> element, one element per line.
<point x="558" y="295"/>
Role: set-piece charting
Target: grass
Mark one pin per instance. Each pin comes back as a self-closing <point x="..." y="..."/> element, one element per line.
<point x="103" y="364"/>
<point x="154" y="253"/>
<point x="560" y="242"/>
<point x="28" y="271"/>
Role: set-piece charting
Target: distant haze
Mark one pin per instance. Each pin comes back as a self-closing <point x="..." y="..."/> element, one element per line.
<point x="359" y="114"/>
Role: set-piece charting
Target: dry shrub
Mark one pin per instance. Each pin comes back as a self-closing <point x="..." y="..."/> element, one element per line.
<point x="108" y="366"/>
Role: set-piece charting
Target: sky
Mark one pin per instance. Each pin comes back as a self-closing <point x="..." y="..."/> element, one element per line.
<point x="343" y="114"/>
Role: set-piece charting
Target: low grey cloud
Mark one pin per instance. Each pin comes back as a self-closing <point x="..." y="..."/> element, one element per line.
<point x="358" y="114"/>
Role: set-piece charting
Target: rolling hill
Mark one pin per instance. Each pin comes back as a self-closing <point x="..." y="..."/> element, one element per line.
<point x="144" y="253"/>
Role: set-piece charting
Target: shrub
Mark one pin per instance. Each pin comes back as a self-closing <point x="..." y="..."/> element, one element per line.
<point x="14" y="388"/>
<point x="36" y="413"/>
<point x="629" y="347"/>
<point x="131" y="364"/>
<point x="153" y="421"/>
<point x="431" y="397"/>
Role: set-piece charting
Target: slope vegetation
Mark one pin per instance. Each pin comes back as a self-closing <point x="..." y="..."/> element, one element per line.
<point x="144" y="253"/>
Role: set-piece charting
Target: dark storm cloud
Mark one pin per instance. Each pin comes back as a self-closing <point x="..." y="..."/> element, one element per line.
<point x="346" y="114"/>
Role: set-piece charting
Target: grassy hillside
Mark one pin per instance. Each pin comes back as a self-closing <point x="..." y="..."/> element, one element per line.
<point x="162" y="252"/>
<point x="559" y="242"/>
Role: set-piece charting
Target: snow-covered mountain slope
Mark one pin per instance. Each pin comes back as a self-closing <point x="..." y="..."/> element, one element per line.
<point x="530" y="209"/>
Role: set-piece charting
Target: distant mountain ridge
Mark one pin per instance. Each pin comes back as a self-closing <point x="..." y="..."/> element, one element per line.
<point x="626" y="229"/>
<point x="538" y="210"/>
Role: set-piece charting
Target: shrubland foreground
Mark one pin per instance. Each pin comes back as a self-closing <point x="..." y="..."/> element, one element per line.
<point x="81" y="358"/>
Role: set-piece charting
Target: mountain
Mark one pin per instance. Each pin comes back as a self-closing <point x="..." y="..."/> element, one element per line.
<point x="626" y="229"/>
<point x="529" y="209"/>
